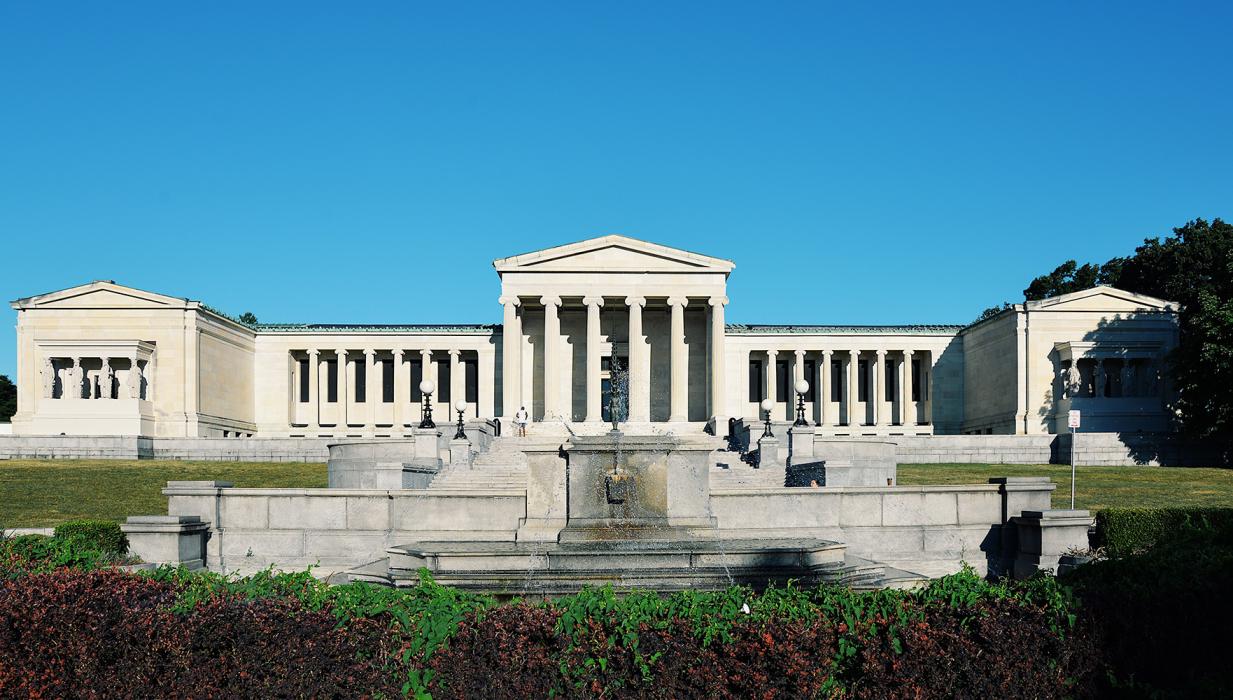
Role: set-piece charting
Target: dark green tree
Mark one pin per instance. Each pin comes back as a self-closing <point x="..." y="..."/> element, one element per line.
<point x="248" y="318"/>
<point x="8" y="399"/>
<point x="1194" y="267"/>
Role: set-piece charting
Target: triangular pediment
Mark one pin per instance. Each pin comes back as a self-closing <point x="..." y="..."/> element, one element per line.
<point x="101" y="294"/>
<point x="612" y="254"/>
<point x="1103" y="298"/>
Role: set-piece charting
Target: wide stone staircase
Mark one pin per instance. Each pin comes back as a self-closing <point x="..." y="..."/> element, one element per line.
<point x="502" y="467"/>
<point x="732" y="473"/>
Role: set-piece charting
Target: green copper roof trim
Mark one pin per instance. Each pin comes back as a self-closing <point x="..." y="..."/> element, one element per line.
<point x="464" y="328"/>
<point x="919" y="329"/>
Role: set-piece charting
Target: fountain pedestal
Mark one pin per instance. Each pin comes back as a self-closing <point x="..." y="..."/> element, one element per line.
<point x="646" y="488"/>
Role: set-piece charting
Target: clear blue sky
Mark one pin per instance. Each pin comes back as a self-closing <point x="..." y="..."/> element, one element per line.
<point x="365" y="162"/>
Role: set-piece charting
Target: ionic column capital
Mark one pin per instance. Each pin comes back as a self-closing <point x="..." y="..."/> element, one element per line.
<point x="909" y="353"/>
<point x="718" y="301"/>
<point x="455" y="353"/>
<point x="369" y="352"/>
<point x="426" y="354"/>
<point x="398" y="354"/>
<point x="800" y="354"/>
<point x="827" y="353"/>
<point x="678" y="301"/>
<point x="881" y="353"/>
<point x="772" y="353"/>
<point x="314" y="352"/>
<point x="593" y="301"/>
<point x="341" y="352"/>
<point x="550" y="301"/>
<point x="507" y="301"/>
<point x="854" y="353"/>
<point x="635" y="301"/>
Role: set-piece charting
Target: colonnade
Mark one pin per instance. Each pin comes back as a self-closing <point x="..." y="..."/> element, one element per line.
<point x="848" y="410"/>
<point x="369" y="414"/>
<point x="94" y="377"/>
<point x="556" y="403"/>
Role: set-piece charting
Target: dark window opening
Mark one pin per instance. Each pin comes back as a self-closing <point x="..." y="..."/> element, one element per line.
<point x="891" y="383"/>
<point x="361" y="382"/>
<point x="811" y="376"/>
<point x="443" y="381"/>
<point x="331" y="381"/>
<point x="862" y="380"/>
<point x="916" y="380"/>
<point x="837" y="380"/>
<point x="303" y="364"/>
<point x="755" y="381"/>
<point x="387" y="381"/>
<point x="783" y="390"/>
<point x="417" y="376"/>
<point x="471" y="372"/>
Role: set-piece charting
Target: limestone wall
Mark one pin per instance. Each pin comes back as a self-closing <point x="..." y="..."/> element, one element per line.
<point x="927" y="529"/>
<point x="335" y="528"/>
<point x="975" y="449"/>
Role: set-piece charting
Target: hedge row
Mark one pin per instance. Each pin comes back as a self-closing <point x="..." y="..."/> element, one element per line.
<point x="1126" y="531"/>
<point x="72" y="632"/>
<point x="103" y="535"/>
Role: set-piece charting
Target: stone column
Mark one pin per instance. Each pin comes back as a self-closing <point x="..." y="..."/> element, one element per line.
<point x="486" y="375"/>
<point x="372" y="396"/>
<point x="679" y="411"/>
<point x="878" y="372"/>
<point x="429" y="371"/>
<point x="719" y="404"/>
<point x="771" y="393"/>
<point x="639" y="367"/>
<point x="342" y="390"/>
<point x="511" y="358"/>
<point x="853" y="393"/>
<point x="401" y="391"/>
<point x="595" y="412"/>
<point x="314" y="390"/>
<point x="457" y="382"/>
<point x="824" y="386"/>
<point x="798" y="373"/>
<point x="907" y="410"/>
<point x="552" y="354"/>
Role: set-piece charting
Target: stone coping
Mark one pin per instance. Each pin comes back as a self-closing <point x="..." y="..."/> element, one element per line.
<point x="353" y="493"/>
<point x="883" y="490"/>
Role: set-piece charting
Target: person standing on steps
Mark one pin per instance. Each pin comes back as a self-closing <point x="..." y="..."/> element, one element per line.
<point x="520" y="420"/>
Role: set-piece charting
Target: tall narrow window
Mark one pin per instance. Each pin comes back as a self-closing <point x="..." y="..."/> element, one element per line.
<point x="472" y="381"/>
<point x="783" y="391"/>
<point x="331" y="381"/>
<point x="890" y="381"/>
<point x="443" y="381"/>
<point x="755" y="381"/>
<point x="417" y="376"/>
<point x="361" y="382"/>
<point x="862" y="380"/>
<point x="837" y="379"/>
<point x="916" y="380"/>
<point x="811" y="376"/>
<point x="387" y="381"/>
<point x="303" y="365"/>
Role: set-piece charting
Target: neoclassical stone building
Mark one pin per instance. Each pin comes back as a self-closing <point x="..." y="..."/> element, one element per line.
<point x="105" y="359"/>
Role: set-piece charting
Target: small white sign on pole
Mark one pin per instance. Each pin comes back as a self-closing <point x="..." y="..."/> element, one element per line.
<point x="1073" y="420"/>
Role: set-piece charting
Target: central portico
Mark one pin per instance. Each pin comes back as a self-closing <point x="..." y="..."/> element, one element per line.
<point x="572" y="309"/>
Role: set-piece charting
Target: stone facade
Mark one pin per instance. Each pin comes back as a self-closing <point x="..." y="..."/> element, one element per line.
<point x="107" y="360"/>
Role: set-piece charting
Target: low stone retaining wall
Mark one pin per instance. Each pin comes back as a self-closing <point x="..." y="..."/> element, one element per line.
<point x="930" y="530"/>
<point x="335" y="529"/>
<point x="74" y="447"/>
<point x="974" y="449"/>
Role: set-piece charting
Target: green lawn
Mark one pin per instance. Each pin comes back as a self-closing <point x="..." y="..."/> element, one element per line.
<point x="44" y="492"/>
<point x="1097" y="487"/>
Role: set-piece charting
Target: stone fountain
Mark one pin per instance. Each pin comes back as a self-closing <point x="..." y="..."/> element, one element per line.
<point x="633" y="511"/>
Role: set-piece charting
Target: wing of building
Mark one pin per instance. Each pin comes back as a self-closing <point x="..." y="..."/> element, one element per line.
<point x="579" y="322"/>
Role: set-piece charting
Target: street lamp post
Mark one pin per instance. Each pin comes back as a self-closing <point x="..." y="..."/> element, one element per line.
<point x="426" y="388"/>
<point x="802" y="388"/>
<point x="460" y="405"/>
<point x="767" y="407"/>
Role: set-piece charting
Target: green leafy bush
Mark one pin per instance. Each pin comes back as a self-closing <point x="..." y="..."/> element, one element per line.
<point x="1125" y="531"/>
<point x="103" y="535"/>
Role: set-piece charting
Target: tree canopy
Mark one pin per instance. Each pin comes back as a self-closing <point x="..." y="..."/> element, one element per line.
<point x="8" y="398"/>
<point x="1193" y="267"/>
<point x="248" y="318"/>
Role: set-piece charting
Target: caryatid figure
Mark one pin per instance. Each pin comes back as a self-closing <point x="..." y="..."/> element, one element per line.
<point x="1098" y="386"/>
<point x="48" y="377"/>
<point x="134" y="380"/>
<point x="1129" y="375"/>
<point x="1074" y="381"/>
<point x="105" y="377"/>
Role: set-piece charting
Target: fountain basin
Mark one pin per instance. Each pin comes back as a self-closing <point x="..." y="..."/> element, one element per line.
<point x="528" y="568"/>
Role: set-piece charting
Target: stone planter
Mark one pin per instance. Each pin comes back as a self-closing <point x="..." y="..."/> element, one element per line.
<point x="1069" y="562"/>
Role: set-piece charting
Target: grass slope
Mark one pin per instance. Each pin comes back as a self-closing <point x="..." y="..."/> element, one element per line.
<point x="1097" y="487"/>
<point x="44" y="492"/>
